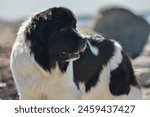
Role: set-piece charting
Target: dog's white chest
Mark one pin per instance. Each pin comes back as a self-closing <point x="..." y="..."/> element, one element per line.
<point x="35" y="83"/>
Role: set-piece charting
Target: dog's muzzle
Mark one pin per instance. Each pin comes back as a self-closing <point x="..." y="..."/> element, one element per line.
<point x="72" y="56"/>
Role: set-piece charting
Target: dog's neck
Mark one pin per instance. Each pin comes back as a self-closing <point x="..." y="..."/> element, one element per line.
<point x="56" y="68"/>
<point x="63" y="66"/>
<point x="55" y="65"/>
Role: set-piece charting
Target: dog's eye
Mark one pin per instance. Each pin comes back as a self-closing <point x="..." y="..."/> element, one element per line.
<point x="63" y="30"/>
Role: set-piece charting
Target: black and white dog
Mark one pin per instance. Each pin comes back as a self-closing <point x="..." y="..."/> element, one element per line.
<point x="52" y="60"/>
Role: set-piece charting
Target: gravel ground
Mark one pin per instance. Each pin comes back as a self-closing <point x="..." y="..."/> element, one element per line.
<point x="7" y="85"/>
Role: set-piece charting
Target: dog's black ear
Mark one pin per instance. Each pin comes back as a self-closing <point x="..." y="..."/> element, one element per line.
<point x="39" y="28"/>
<point x="37" y="33"/>
<point x="122" y="77"/>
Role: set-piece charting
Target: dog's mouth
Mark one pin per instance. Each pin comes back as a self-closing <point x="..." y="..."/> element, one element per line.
<point x="72" y="56"/>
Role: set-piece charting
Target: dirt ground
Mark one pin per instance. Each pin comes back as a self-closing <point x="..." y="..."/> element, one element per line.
<point x="8" y="32"/>
<point x="7" y="85"/>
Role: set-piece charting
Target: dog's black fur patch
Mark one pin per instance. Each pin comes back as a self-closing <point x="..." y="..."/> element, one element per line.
<point x="87" y="69"/>
<point x="122" y="77"/>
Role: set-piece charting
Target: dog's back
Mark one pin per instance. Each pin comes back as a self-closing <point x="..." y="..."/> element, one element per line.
<point x="104" y="71"/>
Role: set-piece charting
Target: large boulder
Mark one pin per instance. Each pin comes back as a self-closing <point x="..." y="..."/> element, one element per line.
<point x="124" y="26"/>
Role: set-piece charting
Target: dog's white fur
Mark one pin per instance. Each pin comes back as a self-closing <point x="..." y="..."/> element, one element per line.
<point x="35" y="83"/>
<point x="93" y="49"/>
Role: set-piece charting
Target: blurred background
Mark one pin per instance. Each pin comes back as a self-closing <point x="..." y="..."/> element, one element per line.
<point x="127" y="21"/>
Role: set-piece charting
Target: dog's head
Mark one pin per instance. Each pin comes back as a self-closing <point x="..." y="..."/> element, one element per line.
<point x="53" y="37"/>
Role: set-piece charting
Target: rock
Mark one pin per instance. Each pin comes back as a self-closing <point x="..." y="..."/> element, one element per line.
<point x="142" y="62"/>
<point x="146" y="93"/>
<point x="143" y="76"/>
<point x="141" y="65"/>
<point x="146" y="50"/>
<point x="124" y="26"/>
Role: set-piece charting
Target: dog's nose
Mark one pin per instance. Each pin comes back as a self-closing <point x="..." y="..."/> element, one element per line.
<point x="80" y="38"/>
